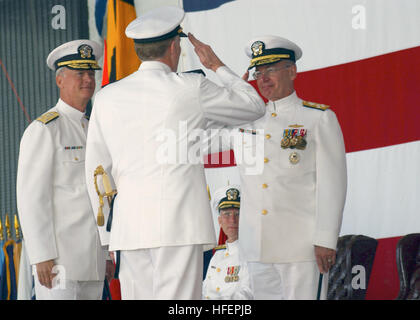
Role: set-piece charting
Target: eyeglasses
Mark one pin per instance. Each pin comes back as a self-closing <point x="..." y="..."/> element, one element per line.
<point x="227" y="214"/>
<point x="270" y="70"/>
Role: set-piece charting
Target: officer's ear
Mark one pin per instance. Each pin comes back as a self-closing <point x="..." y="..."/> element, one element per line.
<point x="59" y="77"/>
<point x="59" y="81"/>
<point x="171" y="48"/>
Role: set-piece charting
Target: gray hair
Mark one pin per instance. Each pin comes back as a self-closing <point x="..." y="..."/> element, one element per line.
<point x="60" y="72"/>
<point x="153" y="50"/>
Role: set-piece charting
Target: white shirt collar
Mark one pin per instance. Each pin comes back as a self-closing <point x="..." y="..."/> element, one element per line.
<point x="154" y="65"/>
<point x="231" y="246"/>
<point x="69" y="111"/>
<point x="285" y="103"/>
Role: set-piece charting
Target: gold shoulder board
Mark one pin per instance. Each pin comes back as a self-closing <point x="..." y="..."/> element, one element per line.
<point x="48" y="117"/>
<point x="220" y="247"/>
<point x="314" y="105"/>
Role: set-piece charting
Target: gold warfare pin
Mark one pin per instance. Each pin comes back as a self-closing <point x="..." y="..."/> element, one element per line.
<point x="294" y="158"/>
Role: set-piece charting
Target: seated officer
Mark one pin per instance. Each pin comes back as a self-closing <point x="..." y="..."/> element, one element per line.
<point x="227" y="275"/>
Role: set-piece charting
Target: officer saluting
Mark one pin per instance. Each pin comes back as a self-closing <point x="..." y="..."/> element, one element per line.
<point x="227" y="275"/>
<point x="291" y="212"/>
<point x="53" y="204"/>
<point x="161" y="215"/>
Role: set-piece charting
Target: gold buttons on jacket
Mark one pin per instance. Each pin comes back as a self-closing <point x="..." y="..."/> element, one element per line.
<point x="264" y="212"/>
<point x="265" y="186"/>
<point x="268" y="136"/>
<point x="76" y="159"/>
<point x="274" y="114"/>
<point x="266" y="160"/>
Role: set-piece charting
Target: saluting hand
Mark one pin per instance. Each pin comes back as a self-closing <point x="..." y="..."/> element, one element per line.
<point x="206" y="54"/>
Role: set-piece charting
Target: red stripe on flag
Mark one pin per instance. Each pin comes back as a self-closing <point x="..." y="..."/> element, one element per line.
<point x="376" y="100"/>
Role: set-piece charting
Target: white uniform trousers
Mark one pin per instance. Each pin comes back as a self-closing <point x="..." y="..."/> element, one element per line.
<point x="164" y="273"/>
<point x="69" y="290"/>
<point x="286" y="281"/>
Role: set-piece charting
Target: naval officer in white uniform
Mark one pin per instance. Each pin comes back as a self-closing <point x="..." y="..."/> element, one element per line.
<point x="60" y="232"/>
<point x="293" y="194"/>
<point x="143" y="129"/>
<point x="291" y="213"/>
<point x="227" y="275"/>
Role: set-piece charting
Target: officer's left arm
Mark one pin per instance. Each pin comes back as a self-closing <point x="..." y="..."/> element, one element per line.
<point x="35" y="192"/>
<point x="331" y="180"/>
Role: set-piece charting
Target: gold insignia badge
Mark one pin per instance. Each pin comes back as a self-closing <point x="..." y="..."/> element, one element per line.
<point x="294" y="158"/>
<point x="232" y="194"/>
<point x="85" y="51"/>
<point x="257" y="48"/>
<point x="296" y="125"/>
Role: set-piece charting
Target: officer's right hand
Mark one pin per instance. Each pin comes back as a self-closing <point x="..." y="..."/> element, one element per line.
<point x="206" y="54"/>
<point x="45" y="274"/>
<point x="325" y="258"/>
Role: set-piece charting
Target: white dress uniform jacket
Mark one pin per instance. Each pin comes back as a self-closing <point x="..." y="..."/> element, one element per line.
<point x="295" y="201"/>
<point x="145" y="131"/>
<point x="227" y="275"/>
<point x="52" y="200"/>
